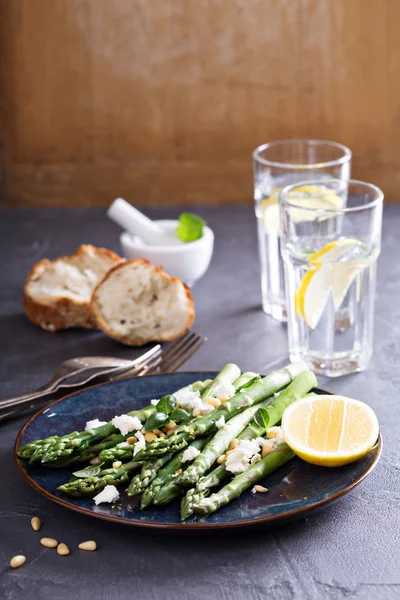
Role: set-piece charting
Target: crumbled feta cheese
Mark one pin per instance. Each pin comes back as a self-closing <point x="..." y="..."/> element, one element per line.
<point x="221" y="422"/>
<point x="224" y="390"/>
<point x="154" y="402"/>
<point x="126" y="424"/>
<point x="239" y="459"/>
<point x="256" y="458"/>
<point x="123" y="444"/>
<point x="108" y="494"/>
<point x="94" y="423"/>
<point x="203" y="409"/>
<point x="190" y="454"/>
<point x="191" y="401"/>
<point x="140" y="444"/>
<point x="187" y="399"/>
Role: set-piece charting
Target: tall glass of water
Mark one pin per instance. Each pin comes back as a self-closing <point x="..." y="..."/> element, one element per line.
<point x="277" y="165"/>
<point x="330" y="256"/>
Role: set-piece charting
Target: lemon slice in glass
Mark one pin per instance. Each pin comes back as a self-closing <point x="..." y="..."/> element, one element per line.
<point x="327" y="276"/>
<point x="307" y="196"/>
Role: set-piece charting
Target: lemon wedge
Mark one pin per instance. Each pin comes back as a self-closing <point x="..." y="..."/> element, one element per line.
<point x="327" y="276"/>
<point x="330" y="430"/>
<point x="306" y="196"/>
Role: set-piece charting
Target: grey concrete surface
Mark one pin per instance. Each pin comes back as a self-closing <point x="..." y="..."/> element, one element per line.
<point x="350" y="550"/>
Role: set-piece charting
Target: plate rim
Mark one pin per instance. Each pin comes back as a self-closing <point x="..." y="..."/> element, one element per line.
<point x="160" y="525"/>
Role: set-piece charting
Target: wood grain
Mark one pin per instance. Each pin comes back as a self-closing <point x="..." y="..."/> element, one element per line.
<point x="162" y="101"/>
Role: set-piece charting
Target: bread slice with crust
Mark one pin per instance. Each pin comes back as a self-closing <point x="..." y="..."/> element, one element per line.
<point x="57" y="293"/>
<point x="137" y="303"/>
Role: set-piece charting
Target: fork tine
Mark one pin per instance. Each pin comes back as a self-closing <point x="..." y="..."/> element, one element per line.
<point x="183" y="355"/>
<point x="174" y="346"/>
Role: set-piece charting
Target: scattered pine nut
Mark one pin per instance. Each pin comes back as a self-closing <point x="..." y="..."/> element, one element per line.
<point x="90" y="546"/>
<point x="223" y="399"/>
<point x="273" y="432"/>
<point x="171" y="426"/>
<point x="157" y="431"/>
<point x="95" y="461"/>
<point x="117" y="464"/>
<point x="161" y="435"/>
<point x="221" y="459"/>
<point x="17" y="561"/>
<point x="234" y="444"/>
<point x="266" y="449"/>
<point x="215" y="402"/>
<point x="131" y="440"/>
<point x="150" y="436"/>
<point x="63" y="550"/>
<point x="49" y="542"/>
<point x="259" y="488"/>
<point x="36" y="523"/>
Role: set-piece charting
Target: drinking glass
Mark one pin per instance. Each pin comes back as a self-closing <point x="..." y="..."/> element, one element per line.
<point x="330" y="257"/>
<point x="277" y="165"/>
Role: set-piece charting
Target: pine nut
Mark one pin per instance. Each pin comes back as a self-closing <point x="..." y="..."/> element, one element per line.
<point x="117" y="464"/>
<point x="150" y="436"/>
<point x="259" y="488"/>
<point x="17" y="561"/>
<point x="95" y="461"/>
<point x="273" y="433"/>
<point x="171" y="426"/>
<point x="90" y="546"/>
<point x="157" y="431"/>
<point x="63" y="550"/>
<point x="266" y="449"/>
<point x="221" y="459"/>
<point x="49" y="542"/>
<point x="131" y="440"/>
<point x="223" y="399"/>
<point x="36" y="523"/>
<point x="234" y="444"/>
<point x="161" y="435"/>
<point x="215" y="402"/>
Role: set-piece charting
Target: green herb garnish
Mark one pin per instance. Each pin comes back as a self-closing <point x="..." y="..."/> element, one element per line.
<point x="190" y="227"/>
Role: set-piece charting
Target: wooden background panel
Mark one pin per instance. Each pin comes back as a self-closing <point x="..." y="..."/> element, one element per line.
<point x="162" y="101"/>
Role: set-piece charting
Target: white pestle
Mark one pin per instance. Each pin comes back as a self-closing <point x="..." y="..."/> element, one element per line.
<point x="137" y="224"/>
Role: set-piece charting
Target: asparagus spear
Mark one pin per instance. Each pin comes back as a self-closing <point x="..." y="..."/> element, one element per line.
<point x="53" y="448"/>
<point x="257" y="392"/>
<point x="242" y="482"/>
<point x="226" y="376"/>
<point x="124" y="453"/>
<point x="163" y="485"/>
<point x="90" y="486"/>
<point x="149" y="471"/>
<point x="219" y="444"/>
<point x="295" y="390"/>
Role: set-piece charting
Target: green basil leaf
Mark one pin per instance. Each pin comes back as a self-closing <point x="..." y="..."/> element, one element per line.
<point x="262" y="418"/>
<point x="90" y="471"/>
<point x="190" y="227"/>
<point x="167" y="404"/>
<point x="249" y="383"/>
<point x="156" y="420"/>
<point x="179" y="414"/>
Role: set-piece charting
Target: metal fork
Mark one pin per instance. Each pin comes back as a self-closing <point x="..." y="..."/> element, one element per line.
<point x="153" y="361"/>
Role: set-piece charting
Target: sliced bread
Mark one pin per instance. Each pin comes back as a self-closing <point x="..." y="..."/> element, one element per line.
<point x="137" y="303"/>
<point x="57" y="293"/>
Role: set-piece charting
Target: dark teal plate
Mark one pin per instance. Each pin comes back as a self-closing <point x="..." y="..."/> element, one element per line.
<point x="296" y="490"/>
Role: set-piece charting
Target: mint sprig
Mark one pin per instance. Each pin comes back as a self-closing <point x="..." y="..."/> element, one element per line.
<point x="190" y="227"/>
